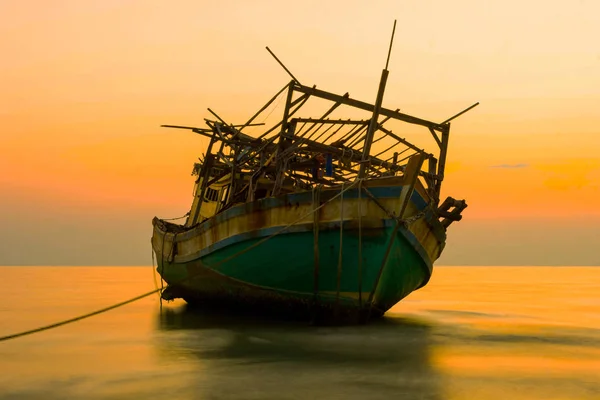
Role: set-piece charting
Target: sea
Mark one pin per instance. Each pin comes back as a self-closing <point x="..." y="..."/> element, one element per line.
<point x="471" y="333"/>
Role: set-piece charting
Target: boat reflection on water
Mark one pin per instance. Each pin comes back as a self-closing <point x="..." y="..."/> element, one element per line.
<point x="261" y="358"/>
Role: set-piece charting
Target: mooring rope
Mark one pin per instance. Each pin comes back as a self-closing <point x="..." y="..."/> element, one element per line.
<point x="79" y="318"/>
<point x="141" y="296"/>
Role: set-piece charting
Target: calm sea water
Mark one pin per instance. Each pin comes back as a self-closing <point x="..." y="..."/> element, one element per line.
<point x="472" y="333"/>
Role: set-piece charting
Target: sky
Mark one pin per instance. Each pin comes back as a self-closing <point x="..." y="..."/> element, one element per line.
<point x="86" y="84"/>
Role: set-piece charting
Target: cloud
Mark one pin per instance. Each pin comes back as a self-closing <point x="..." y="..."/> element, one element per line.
<point x="510" y="166"/>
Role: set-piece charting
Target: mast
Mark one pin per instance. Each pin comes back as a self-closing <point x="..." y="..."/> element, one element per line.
<point x="376" y="110"/>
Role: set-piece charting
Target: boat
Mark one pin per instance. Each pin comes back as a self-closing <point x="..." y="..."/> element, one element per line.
<point x="331" y="219"/>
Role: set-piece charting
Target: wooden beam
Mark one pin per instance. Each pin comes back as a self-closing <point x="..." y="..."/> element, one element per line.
<point x="263" y="108"/>
<point x="442" y="160"/>
<point x="401" y="140"/>
<point x="435" y="136"/>
<point x="334" y="121"/>
<point x="292" y="112"/>
<point x="460" y="113"/>
<point x="367" y="107"/>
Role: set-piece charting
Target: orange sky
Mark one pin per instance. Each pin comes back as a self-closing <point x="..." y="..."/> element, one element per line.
<point x="85" y="86"/>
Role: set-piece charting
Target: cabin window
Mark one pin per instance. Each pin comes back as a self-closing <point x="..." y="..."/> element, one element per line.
<point x="211" y="195"/>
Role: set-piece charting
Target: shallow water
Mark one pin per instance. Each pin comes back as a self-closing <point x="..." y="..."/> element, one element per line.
<point x="472" y="333"/>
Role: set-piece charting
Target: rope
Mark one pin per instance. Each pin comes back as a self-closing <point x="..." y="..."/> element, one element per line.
<point x="392" y="215"/>
<point x="141" y="296"/>
<point x="173" y="219"/>
<point x="273" y="109"/>
<point x="79" y="318"/>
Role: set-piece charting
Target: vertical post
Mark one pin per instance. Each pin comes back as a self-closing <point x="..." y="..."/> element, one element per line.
<point x="233" y="172"/>
<point x="376" y="111"/>
<point x="204" y="173"/>
<point x="286" y="110"/>
<point x="280" y="171"/>
<point x="432" y="182"/>
<point x="411" y="175"/>
<point x="443" y="153"/>
<point x="373" y="125"/>
<point x="263" y="159"/>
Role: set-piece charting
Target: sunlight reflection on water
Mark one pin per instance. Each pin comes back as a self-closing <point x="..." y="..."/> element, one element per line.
<point x="489" y="333"/>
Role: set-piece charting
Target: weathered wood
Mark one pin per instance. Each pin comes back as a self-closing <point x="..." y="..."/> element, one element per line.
<point x="353" y="131"/>
<point x="401" y="140"/>
<point x="412" y="173"/>
<point x="435" y="136"/>
<point x="367" y="107"/>
<point x="283" y="140"/>
<point x="283" y="66"/>
<point x="300" y="99"/>
<point x="431" y="182"/>
<point x="334" y="121"/>
<point x="373" y="123"/>
<point x="263" y="108"/>
<point x="390" y="49"/>
<point x="325" y="115"/>
<point x="460" y="113"/>
<point x="207" y="165"/>
<point x="303" y="99"/>
<point x="293" y="151"/>
<point x="442" y="159"/>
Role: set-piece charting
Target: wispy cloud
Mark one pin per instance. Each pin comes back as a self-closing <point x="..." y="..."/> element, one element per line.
<point x="510" y="166"/>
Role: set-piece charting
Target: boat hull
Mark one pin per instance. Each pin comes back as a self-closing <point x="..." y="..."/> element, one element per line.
<point x="346" y="273"/>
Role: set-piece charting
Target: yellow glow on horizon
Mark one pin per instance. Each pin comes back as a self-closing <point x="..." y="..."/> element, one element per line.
<point x="85" y="87"/>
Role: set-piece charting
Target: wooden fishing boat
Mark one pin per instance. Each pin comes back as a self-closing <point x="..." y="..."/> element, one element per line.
<point x="302" y="219"/>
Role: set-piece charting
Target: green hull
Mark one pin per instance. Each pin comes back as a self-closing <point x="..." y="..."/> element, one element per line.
<point x="279" y="275"/>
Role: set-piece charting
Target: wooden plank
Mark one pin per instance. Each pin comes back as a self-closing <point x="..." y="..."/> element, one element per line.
<point x="411" y="173"/>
